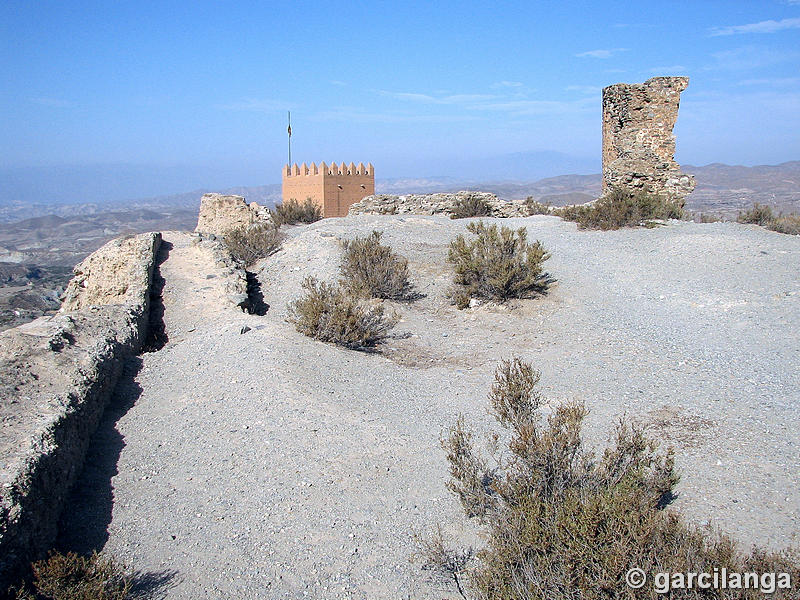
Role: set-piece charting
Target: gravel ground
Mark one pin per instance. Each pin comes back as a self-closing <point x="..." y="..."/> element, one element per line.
<point x="267" y="465"/>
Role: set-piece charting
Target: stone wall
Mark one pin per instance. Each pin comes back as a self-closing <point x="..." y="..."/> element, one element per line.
<point x="638" y="144"/>
<point x="56" y="376"/>
<point x="433" y="204"/>
<point x="219" y="213"/>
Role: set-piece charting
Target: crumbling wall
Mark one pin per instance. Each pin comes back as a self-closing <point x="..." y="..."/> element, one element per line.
<point x="638" y="144"/>
<point x="433" y="204"/>
<point x="219" y="213"/>
<point x="56" y="377"/>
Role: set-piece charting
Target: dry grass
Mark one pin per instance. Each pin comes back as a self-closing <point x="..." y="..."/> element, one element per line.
<point x="470" y="206"/>
<point x="250" y="243"/>
<point x="763" y="215"/>
<point x="73" y="577"/>
<point x="621" y="208"/>
<point x="292" y="212"/>
<point x="498" y="264"/>
<point x="561" y="523"/>
<point x="329" y="313"/>
<point x="373" y="270"/>
<point x="537" y="208"/>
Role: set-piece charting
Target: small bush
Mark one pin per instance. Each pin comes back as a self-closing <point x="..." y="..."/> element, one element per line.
<point x="292" y="212"/>
<point x="760" y="214"/>
<point x="789" y="224"/>
<point x="622" y="208"/>
<point x="373" y="270"/>
<point x="470" y="206"/>
<point x="73" y="577"/>
<point x="497" y="265"/>
<point x="250" y="243"/>
<point x="561" y="523"/>
<point x="330" y="314"/>
<point x="537" y="208"/>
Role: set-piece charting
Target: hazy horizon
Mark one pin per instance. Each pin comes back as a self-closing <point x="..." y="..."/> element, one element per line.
<point x="158" y="99"/>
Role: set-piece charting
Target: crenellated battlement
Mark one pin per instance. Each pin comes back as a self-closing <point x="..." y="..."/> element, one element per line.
<point x="333" y="187"/>
<point x="332" y="169"/>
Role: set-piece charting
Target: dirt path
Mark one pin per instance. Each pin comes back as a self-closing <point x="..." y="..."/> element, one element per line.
<point x="267" y="465"/>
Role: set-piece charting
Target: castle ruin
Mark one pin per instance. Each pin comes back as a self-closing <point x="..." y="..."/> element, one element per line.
<point x="638" y="144"/>
<point x="334" y="188"/>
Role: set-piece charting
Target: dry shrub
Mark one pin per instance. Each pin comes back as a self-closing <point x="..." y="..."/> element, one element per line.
<point x="292" y="212"/>
<point x="373" y="270"/>
<point x="789" y="224"/>
<point x="470" y="206"/>
<point x="497" y="265"/>
<point x="760" y="214"/>
<point x="330" y="314"/>
<point x="562" y="524"/>
<point x="73" y="577"/>
<point x="250" y="243"/>
<point x="622" y="207"/>
<point x="537" y="208"/>
<point x="763" y="215"/>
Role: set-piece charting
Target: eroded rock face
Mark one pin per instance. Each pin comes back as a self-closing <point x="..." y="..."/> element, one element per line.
<point x="638" y="144"/>
<point x="220" y="213"/>
<point x="433" y="204"/>
<point x="118" y="273"/>
<point x="56" y="376"/>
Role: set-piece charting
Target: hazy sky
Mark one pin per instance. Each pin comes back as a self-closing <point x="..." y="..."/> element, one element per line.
<point x="418" y="88"/>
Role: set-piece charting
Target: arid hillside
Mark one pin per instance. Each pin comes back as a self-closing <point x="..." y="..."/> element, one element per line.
<point x="244" y="459"/>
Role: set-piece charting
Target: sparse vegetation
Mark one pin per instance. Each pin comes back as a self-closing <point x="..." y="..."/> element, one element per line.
<point x="470" y="206"/>
<point x="621" y="208"/>
<point x="498" y="264"/>
<point x="763" y="215"/>
<point x="537" y="208"/>
<point x="250" y="243"/>
<point x="561" y="523"/>
<point x="292" y="212"/>
<point x="73" y="577"/>
<point x="329" y="313"/>
<point x="373" y="270"/>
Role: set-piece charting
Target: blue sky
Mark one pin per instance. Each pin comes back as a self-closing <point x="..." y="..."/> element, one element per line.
<point x="418" y="88"/>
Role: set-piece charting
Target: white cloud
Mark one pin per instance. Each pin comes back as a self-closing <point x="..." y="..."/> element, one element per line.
<point x="760" y="27"/>
<point x="748" y="57"/>
<point x="600" y="53"/>
<point x="507" y="84"/>
<point x="338" y="83"/>
<point x="773" y="82"/>
<point x="584" y="89"/>
<point x="428" y="99"/>
<point x="667" y="70"/>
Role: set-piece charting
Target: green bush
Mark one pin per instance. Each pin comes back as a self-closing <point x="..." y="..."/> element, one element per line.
<point x="560" y="522"/>
<point x="498" y="264"/>
<point x="470" y="206"/>
<point x="73" y="577"/>
<point x="292" y="212"/>
<point x="373" y="270"/>
<point x="329" y="313"/>
<point x="621" y="208"/>
<point x="250" y="243"/>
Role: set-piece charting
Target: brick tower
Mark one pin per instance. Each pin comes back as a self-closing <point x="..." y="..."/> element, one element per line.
<point x="334" y="188"/>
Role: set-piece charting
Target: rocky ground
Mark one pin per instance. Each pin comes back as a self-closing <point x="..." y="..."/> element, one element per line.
<point x="245" y="460"/>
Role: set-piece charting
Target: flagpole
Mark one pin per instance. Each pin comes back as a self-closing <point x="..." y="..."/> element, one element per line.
<point x="289" y="130"/>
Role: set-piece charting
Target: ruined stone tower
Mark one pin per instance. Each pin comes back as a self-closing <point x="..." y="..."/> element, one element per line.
<point x="333" y="188"/>
<point x="638" y="144"/>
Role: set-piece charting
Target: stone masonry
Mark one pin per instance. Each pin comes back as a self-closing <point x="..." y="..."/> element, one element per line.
<point x="638" y="144"/>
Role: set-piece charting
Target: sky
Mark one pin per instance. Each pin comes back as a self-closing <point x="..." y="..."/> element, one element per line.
<point x="164" y="97"/>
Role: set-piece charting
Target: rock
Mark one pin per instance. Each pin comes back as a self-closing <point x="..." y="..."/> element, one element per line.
<point x="433" y="204"/>
<point x="638" y="144"/>
<point x="220" y="213"/>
